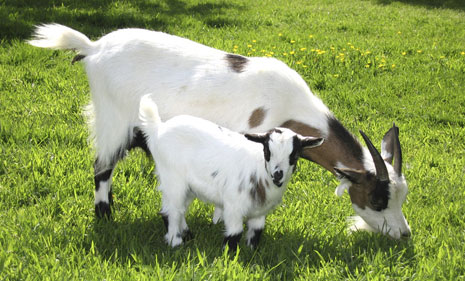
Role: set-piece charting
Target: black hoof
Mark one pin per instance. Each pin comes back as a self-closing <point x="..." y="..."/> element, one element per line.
<point x="232" y="241"/>
<point x="102" y="210"/>
<point x="187" y="235"/>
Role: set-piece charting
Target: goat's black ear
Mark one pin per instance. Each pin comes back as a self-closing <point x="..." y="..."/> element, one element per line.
<point x="351" y="174"/>
<point x="260" y="138"/>
<point x="308" y="142"/>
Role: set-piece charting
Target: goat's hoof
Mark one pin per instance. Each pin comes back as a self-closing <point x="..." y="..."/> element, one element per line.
<point x="173" y="241"/>
<point x="102" y="210"/>
<point x="187" y="235"/>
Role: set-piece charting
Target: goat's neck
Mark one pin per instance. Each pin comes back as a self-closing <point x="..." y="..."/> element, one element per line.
<point x="340" y="147"/>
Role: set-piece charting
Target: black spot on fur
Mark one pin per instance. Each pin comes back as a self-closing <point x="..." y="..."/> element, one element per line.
<point x="256" y="238"/>
<point x="214" y="174"/>
<point x="276" y="131"/>
<point x="345" y="137"/>
<point x="236" y="62"/>
<point x="139" y="141"/>
<point x="102" y="176"/>
<point x="266" y="150"/>
<point x="296" y="150"/>
<point x="77" y="58"/>
<point x="165" y="220"/>
<point x="380" y="195"/>
<point x="232" y="241"/>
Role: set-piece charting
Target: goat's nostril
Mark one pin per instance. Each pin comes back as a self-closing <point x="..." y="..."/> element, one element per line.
<point x="278" y="175"/>
<point x="406" y="234"/>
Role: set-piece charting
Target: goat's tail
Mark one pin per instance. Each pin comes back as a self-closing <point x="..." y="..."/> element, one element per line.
<point x="60" y="37"/>
<point x="148" y="114"/>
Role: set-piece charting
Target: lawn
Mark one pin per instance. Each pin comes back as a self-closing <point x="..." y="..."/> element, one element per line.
<point x="373" y="62"/>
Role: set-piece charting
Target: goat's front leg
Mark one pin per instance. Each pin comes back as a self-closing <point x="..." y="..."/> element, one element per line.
<point x="234" y="227"/>
<point x="217" y="215"/>
<point x="255" y="228"/>
<point x="173" y="221"/>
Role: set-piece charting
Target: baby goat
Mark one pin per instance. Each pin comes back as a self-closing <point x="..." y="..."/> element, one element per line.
<point x="245" y="176"/>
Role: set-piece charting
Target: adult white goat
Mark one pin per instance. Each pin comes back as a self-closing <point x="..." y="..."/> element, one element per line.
<point x="240" y="93"/>
<point x="244" y="176"/>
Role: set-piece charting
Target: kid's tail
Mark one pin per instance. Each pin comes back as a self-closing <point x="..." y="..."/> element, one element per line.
<point x="148" y="114"/>
<point x="60" y="37"/>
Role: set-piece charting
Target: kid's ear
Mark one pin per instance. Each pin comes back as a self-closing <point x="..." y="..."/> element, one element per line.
<point x="260" y="138"/>
<point x="309" y="142"/>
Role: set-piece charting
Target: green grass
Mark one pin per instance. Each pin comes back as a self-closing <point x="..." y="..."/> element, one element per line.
<point x="371" y="61"/>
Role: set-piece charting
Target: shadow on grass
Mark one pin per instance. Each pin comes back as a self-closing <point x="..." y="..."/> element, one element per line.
<point x="97" y="17"/>
<point x="141" y="241"/>
<point x="432" y="4"/>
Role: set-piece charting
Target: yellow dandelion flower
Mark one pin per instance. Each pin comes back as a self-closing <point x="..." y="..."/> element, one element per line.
<point x="404" y="53"/>
<point x="284" y="54"/>
<point x="303" y="49"/>
<point x="280" y="34"/>
<point x="291" y="52"/>
<point x="268" y="55"/>
<point x="419" y="51"/>
<point x="254" y="50"/>
<point x="235" y="46"/>
<point x="367" y="52"/>
<point x="304" y="66"/>
<point x="398" y="32"/>
<point x="367" y="66"/>
<point x="299" y="62"/>
<point x="310" y="36"/>
<point x="336" y="75"/>
<point x="341" y="54"/>
<point x="249" y="53"/>
<point x="393" y="65"/>
<point x="271" y="53"/>
<point x="462" y="53"/>
<point x="249" y="45"/>
<point x="320" y="52"/>
<point x="332" y="48"/>
<point x="292" y="41"/>
<point x="442" y="57"/>
<point x="254" y="41"/>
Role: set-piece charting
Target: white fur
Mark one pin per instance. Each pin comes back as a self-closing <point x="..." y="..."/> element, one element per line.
<point x="197" y="158"/>
<point x="185" y="78"/>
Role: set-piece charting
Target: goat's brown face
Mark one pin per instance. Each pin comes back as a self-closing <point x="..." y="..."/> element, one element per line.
<point x="377" y="195"/>
<point x="282" y="148"/>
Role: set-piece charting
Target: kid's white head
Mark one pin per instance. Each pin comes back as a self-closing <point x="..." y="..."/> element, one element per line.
<point x="282" y="148"/>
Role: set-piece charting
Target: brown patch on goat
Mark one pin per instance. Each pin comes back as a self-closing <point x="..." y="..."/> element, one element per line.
<point x="236" y="62"/>
<point x="258" y="191"/>
<point x="77" y="58"/>
<point x="346" y="150"/>
<point x="257" y="117"/>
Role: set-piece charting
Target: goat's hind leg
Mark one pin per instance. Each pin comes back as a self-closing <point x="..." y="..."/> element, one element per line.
<point x="103" y="193"/>
<point x="103" y="171"/>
